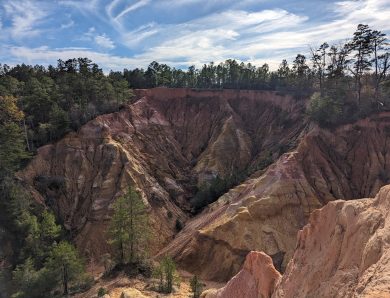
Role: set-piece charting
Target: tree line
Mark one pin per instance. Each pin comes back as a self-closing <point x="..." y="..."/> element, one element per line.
<point x="58" y="99"/>
<point x="352" y="78"/>
<point x="366" y="53"/>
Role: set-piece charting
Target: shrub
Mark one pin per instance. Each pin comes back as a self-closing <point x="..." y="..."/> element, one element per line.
<point x="102" y="292"/>
<point x="324" y="110"/>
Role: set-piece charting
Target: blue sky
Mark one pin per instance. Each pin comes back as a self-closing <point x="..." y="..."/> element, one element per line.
<point x="119" y="34"/>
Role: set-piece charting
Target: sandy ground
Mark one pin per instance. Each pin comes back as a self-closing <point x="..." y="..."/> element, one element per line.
<point x="117" y="285"/>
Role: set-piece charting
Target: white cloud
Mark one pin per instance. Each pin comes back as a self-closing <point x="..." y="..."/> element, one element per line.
<point x="132" y="7"/>
<point x="216" y="37"/>
<point x="253" y="36"/>
<point x="133" y="38"/>
<point x="104" y="41"/>
<point x="110" y="7"/>
<point x="25" y="15"/>
<point x="87" y="6"/>
<point x="45" y="55"/>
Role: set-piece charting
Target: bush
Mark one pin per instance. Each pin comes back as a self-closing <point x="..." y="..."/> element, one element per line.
<point x="102" y="292"/>
<point x="324" y="110"/>
<point x="143" y="267"/>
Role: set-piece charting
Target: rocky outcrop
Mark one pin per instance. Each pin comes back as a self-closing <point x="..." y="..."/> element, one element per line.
<point x="265" y="212"/>
<point x="132" y="293"/>
<point x="257" y="278"/>
<point x="164" y="144"/>
<point x="344" y="251"/>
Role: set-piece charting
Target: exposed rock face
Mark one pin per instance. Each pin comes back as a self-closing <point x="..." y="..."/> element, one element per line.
<point x="164" y="144"/>
<point x="257" y="278"/>
<point x="266" y="212"/>
<point x="132" y="293"/>
<point x="172" y="139"/>
<point x="344" y="251"/>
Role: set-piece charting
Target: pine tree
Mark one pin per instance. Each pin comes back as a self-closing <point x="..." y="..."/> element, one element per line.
<point x="196" y="286"/>
<point x="378" y="42"/>
<point x="32" y="283"/>
<point x="362" y="46"/>
<point x="129" y="227"/>
<point x="319" y="62"/>
<point x="166" y="273"/>
<point x="12" y="146"/>
<point x="65" y="264"/>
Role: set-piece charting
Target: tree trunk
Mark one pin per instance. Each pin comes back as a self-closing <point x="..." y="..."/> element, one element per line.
<point x="122" y="253"/>
<point x="131" y="232"/>
<point x="26" y="135"/>
<point x="376" y="72"/>
<point x="65" y="280"/>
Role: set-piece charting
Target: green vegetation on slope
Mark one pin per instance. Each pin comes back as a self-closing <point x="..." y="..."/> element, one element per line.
<point x="128" y="229"/>
<point x="30" y="229"/>
<point x="58" y="99"/>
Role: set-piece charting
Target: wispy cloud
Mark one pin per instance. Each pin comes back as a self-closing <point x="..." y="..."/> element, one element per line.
<point x="179" y="33"/>
<point x="133" y="38"/>
<point x="132" y="7"/>
<point x="216" y="37"/>
<point x="46" y="56"/>
<point x="259" y="36"/>
<point x="85" y="7"/>
<point x="25" y="16"/>
<point x="104" y="41"/>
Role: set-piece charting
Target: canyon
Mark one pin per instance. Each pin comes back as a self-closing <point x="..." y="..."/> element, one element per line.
<point x="342" y="252"/>
<point x="171" y="142"/>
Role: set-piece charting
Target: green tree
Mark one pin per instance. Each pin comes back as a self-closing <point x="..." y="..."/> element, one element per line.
<point x="166" y="273"/>
<point x="363" y="48"/>
<point x="12" y="145"/>
<point x="378" y="41"/>
<point x="196" y="286"/>
<point x="9" y="86"/>
<point x="65" y="264"/>
<point x="324" y="109"/>
<point x="337" y="64"/>
<point x="128" y="229"/>
<point x="37" y="101"/>
<point x="122" y="92"/>
<point x="32" y="283"/>
<point x="319" y="63"/>
<point x="59" y="121"/>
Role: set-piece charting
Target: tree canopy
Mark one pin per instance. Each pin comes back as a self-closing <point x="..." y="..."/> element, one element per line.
<point x="128" y="230"/>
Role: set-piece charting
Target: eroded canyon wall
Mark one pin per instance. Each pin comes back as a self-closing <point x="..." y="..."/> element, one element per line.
<point x="169" y="141"/>
<point x="266" y="212"/>
<point x="343" y="251"/>
<point x="164" y="144"/>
